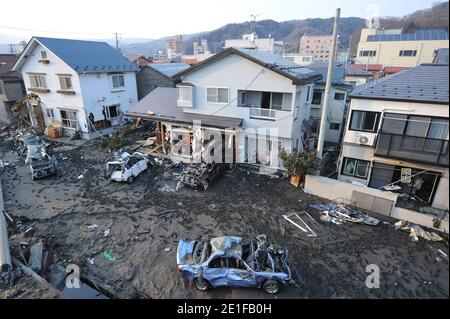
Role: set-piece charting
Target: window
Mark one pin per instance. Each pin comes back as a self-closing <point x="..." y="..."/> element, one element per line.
<point x="394" y="123"/>
<point x="184" y="93"/>
<point x="367" y="53"/>
<point x="364" y="121"/>
<point x="408" y="53"/>
<point x="50" y="114"/>
<point x="37" y="81"/>
<point x="44" y="54"/>
<point x="277" y="101"/>
<point x="415" y="126"/>
<point x="69" y="119"/>
<point x="217" y="95"/>
<point x="65" y="82"/>
<point x="243" y="98"/>
<point x="112" y="111"/>
<point x="339" y="96"/>
<point x="118" y="81"/>
<point x="335" y="126"/>
<point x="355" y="167"/>
<point x="317" y="97"/>
<point x="308" y="94"/>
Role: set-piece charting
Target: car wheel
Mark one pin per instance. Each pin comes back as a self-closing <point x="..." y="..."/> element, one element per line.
<point x="205" y="184"/>
<point x="271" y="287"/>
<point x="130" y="179"/>
<point x="201" y="285"/>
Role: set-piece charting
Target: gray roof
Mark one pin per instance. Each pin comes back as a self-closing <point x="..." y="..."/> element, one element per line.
<point x="161" y="105"/>
<point x="169" y="69"/>
<point x="349" y="70"/>
<point x="427" y="83"/>
<point x="7" y="61"/>
<point x="274" y="62"/>
<point x="88" y="56"/>
<point x="338" y="73"/>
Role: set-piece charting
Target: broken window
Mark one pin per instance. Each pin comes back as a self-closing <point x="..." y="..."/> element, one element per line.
<point x="355" y="167"/>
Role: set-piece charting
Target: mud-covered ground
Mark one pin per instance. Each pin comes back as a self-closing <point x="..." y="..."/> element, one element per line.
<point x="142" y="247"/>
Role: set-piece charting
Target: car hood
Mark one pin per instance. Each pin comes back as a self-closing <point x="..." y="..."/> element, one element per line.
<point x="184" y="252"/>
<point x="117" y="175"/>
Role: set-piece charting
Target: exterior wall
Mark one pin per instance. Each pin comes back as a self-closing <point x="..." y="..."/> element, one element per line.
<point x="236" y="73"/>
<point x="319" y="46"/>
<point x="10" y="92"/>
<point x="351" y="147"/>
<point x="336" y="112"/>
<point x="356" y="80"/>
<point x="148" y="79"/>
<point x="388" y="51"/>
<point x="269" y="45"/>
<point x="300" y="59"/>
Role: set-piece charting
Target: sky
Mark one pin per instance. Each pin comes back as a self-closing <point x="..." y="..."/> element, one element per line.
<point x="100" y="19"/>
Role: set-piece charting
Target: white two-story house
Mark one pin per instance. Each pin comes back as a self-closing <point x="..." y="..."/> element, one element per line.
<point x="396" y="139"/>
<point x="256" y="101"/>
<point x="86" y="86"/>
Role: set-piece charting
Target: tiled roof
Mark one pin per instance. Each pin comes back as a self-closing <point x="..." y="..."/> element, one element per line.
<point x="88" y="56"/>
<point x="355" y="71"/>
<point x="368" y="67"/>
<point x="427" y="83"/>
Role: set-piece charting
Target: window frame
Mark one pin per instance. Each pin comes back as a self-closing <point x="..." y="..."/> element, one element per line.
<point x="117" y="88"/>
<point x="413" y="53"/>
<point x="375" y="126"/>
<point x="71" y="121"/>
<point x="44" y="55"/>
<point x="217" y="95"/>
<point x="339" y="93"/>
<point x="321" y="97"/>
<point x="355" y="169"/>
<point x="309" y="94"/>
<point x="52" y="111"/>
<point x="35" y="76"/>
<point x="62" y="78"/>
<point x="334" y="129"/>
<point x="184" y="87"/>
<point x="108" y="112"/>
<point x="370" y="53"/>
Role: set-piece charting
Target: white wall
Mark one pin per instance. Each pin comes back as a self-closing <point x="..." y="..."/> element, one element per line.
<point x="236" y="73"/>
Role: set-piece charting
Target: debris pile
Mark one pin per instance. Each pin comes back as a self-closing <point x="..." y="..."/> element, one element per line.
<point x="416" y="231"/>
<point x="200" y="176"/>
<point x="339" y="214"/>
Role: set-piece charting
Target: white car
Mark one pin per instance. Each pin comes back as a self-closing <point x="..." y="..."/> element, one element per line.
<point x="127" y="167"/>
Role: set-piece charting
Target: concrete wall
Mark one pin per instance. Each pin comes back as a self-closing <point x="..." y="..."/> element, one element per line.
<point x="148" y="79"/>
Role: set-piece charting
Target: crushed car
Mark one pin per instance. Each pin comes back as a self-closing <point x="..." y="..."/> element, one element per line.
<point x="234" y="262"/>
<point x="200" y="176"/>
<point x="37" y="154"/>
<point x="126" y="167"/>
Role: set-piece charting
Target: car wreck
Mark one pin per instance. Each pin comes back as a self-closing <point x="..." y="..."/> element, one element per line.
<point x="126" y="167"/>
<point x="234" y="262"/>
<point x="37" y="155"/>
<point x="201" y="176"/>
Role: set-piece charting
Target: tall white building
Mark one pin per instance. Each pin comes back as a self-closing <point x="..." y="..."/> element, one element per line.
<point x="251" y="41"/>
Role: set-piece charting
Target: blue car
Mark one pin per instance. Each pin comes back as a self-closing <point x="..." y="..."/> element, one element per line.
<point x="234" y="262"/>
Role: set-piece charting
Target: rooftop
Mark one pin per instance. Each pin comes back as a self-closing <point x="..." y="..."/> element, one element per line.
<point x="274" y="62"/>
<point x="418" y="35"/>
<point x="338" y="73"/>
<point x="426" y="83"/>
<point x="7" y="61"/>
<point x="87" y="56"/>
<point x="161" y="105"/>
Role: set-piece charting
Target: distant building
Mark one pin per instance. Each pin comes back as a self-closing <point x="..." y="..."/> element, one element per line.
<point x="317" y="45"/>
<point x="398" y="49"/>
<point x="86" y="86"/>
<point x="201" y="48"/>
<point x="356" y="76"/>
<point x="299" y="59"/>
<point x="160" y="57"/>
<point x="11" y="87"/>
<point x="396" y="140"/>
<point x="251" y="41"/>
<point x="195" y="58"/>
<point x="157" y="75"/>
<point x="140" y="60"/>
<point x="175" y="48"/>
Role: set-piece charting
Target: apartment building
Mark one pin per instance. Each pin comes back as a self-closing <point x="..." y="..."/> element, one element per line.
<point x="84" y="85"/>
<point x="252" y="41"/>
<point x="395" y="48"/>
<point x="253" y="101"/>
<point x="396" y="139"/>
<point x="299" y="59"/>
<point x="175" y="48"/>
<point x="201" y="47"/>
<point x="318" y="46"/>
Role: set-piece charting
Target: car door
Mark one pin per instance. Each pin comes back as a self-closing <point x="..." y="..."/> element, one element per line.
<point x="216" y="272"/>
<point x="240" y="275"/>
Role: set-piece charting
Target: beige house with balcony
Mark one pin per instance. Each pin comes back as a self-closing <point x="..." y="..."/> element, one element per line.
<point x="396" y="139"/>
<point x="394" y="48"/>
<point x="253" y="101"/>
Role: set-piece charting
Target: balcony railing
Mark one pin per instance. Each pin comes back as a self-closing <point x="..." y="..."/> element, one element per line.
<point x="264" y="114"/>
<point x="414" y="149"/>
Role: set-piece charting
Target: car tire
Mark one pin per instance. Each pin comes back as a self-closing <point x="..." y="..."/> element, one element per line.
<point x="130" y="179"/>
<point x="271" y="287"/>
<point x="202" y="285"/>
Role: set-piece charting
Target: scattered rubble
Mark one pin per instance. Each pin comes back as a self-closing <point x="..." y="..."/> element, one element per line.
<point x="416" y="231"/>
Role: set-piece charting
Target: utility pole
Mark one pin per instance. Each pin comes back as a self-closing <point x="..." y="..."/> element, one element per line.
<point x="326" y="102"/>
<point x="11" y="48"/>
<point x="117" y="41"/>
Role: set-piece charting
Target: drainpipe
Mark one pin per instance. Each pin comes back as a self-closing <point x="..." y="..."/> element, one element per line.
<point x="326" y="102"/>
<point x="5" y="255"/>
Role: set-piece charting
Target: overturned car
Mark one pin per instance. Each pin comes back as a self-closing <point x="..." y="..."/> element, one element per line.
<point x="126" y="167"/>
<point x="234" y="262"/>
<point x="200" y="176"/>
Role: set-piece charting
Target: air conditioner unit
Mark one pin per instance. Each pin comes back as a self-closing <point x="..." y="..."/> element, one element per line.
<point x="363" y="140"/>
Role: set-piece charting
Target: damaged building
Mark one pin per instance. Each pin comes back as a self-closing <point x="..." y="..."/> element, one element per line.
<point x="251" y="102"/>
